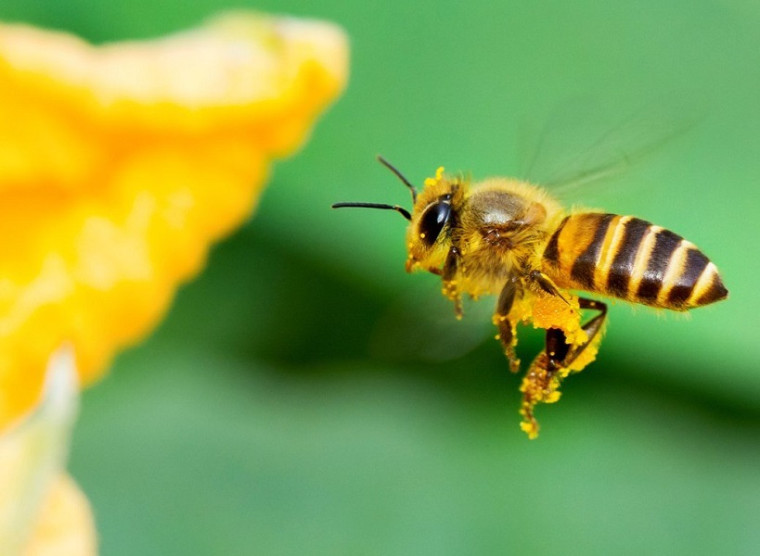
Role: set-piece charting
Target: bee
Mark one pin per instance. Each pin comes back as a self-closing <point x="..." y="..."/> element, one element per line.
<point x="510" y="238"/>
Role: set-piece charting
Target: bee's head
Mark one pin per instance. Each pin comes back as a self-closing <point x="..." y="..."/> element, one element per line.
<point x="434" y="216"/>
<point x="430" y="220"/>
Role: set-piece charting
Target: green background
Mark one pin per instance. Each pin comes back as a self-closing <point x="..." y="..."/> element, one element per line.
<point x="306" y="396"/>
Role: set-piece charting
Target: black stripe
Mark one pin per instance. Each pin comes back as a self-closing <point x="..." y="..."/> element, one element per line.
<point x="693" y="268"/>
<point x="622" y="264"/>
<point x="585" y="264"/>
<point x="715" y="292"/>
<point x="665" y="245"/>
<point x="551" y="253"/>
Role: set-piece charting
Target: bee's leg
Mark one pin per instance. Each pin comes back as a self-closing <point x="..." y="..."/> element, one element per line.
<point x="562" y="355"/>
<point x="506" y="327"/>
<point x="541" y="383"/>
<point x="449" y="276"/>
<point x="545" y="283"/>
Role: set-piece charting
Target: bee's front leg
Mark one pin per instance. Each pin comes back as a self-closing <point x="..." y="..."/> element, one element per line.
<point x="449" y="276"/>
<point x="506" y="327"/>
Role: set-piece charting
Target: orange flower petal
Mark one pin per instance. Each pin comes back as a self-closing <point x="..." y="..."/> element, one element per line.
<point x="120" y="164"/>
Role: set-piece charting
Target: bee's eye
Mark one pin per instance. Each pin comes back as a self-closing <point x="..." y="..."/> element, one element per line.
<point x="433" y="220"/>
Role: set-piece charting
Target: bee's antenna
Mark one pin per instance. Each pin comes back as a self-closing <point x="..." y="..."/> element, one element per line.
<point x="403" y="211"/>
<point x="400" y="176"/>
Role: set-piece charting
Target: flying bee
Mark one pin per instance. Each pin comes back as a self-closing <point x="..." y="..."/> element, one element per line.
<point x="509" y="238"/>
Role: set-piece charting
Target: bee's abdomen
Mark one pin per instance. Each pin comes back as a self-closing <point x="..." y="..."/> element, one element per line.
<point x="629" y="258"/>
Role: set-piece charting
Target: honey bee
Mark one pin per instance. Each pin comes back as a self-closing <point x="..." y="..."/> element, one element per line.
<point x="509" y="238"/>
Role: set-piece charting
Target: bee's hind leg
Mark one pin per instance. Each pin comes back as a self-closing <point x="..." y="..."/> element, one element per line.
<point x="562" y="355"/>
<point x="541" y="383"/>
<point x="545" y="283"/>
<point x="506" y="327"/>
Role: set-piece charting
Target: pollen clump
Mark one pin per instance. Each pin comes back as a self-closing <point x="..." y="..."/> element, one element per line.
<point x="551" y="311"/>
<point x="542" y="381"/>
<point x="120" y="164"/>
<point x="431" y="182"/>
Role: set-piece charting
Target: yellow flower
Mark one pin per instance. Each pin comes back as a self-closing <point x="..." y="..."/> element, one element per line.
<point x="120" y="164"/>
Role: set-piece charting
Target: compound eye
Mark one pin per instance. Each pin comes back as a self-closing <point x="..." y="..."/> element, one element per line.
<point x="433" y="221"/>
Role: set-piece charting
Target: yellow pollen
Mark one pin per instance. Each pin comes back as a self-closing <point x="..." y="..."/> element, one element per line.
<point x="429" y="182"/>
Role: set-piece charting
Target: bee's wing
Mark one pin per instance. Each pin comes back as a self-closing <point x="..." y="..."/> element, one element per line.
<point x="420" y="325"/>
<point x="579" y="146"/>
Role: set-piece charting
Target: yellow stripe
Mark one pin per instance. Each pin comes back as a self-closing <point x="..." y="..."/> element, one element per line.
<point x="703" y="283"/>
<point x="575" y="238"/>
<point x="676" y="267"/>
<point x="642" y="260"/>
<point x="610" y="247"/>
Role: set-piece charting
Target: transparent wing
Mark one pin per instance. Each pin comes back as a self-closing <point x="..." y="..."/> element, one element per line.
<point x="581" y="144"/>
<point x="420" y="325"/>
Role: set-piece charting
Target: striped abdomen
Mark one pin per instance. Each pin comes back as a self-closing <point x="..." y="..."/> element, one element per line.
<point x="631" y="259"/>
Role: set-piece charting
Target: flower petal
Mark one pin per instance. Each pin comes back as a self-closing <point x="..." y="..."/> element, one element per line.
<point x="120" y="164"/>
<point x="32" y="457"/>
<point x="65" y="526"/>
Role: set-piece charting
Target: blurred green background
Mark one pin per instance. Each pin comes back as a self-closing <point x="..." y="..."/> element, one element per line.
<point x="306" y="396"/>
